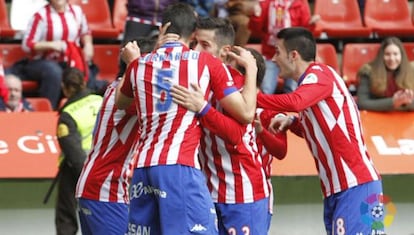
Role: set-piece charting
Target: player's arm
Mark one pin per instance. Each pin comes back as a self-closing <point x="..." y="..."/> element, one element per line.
<point x="124" y="94"/>
<point x="239" y="105"/>
<point x="242" y="105"/>
<point x="216" y="122"/>
<point x="312" y="90"/>
<point x="275" y="144"/>
<point x="280" y="123"/>
<point x="220" y="124"/>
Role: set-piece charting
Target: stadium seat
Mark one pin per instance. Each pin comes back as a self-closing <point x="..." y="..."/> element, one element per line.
<point x="326" y="53"/>
<point x="354" y="55"/>
<point x="99" y="18"/>
<point x="119" y="14"/>
<point x="106" y="58"/>
<point x="11" y="53"/>
<point x="339" y="19"/>
<point x="388" y="18"/>
<point x="5" y="29"/>
<point x="409" y="48"/>
<point x="40" y="104"/>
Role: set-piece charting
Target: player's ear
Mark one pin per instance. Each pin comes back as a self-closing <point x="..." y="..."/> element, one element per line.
<point x="224" y="51"/>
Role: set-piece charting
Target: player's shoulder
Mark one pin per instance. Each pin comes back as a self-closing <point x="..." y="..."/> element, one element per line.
<point x="315" y="73"/>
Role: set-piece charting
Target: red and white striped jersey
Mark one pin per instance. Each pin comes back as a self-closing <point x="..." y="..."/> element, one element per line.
<point x="109" y="165"/>
<point x="234" y="172"/>
<point x="330" y="122"/>
<point x="49" y="25"/>
<point x="170" y="133"/>
<point x="269" y="145"/>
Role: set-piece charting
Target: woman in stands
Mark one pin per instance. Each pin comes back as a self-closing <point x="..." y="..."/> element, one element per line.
<point x="387" y="82"/>
<point x="57" y="36"/>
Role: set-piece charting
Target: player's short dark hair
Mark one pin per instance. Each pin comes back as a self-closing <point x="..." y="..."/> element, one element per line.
<point x="300" y="40"/>
<point x="146" y="44"/>
<point x="223" y="29"/>
<point x="182" y="17"/>
<point x="260" y="63"/>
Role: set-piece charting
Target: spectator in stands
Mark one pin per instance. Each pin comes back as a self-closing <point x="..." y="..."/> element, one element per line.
<point x="220" y="9"/>
<point x="276" y="15"/>
<point x="239" y="12"/>
<point x="387" y="82"/>
<point x="14" y="101"/>
<point x="74" y="133"/>
<point x="143" y="20"/>
<point x="57" y="37"/>
<point x="203" y="8"/>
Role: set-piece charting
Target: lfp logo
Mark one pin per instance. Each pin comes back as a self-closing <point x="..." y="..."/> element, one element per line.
<point x="377" y="211"/>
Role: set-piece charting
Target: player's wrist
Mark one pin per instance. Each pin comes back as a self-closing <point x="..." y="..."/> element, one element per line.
<point x="292" y="119"/>
<point x="204" y="109"/>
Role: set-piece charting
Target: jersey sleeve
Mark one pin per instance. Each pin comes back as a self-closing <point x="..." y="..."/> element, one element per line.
<point x="220" y="124"/>
<point x="275" y="144"/>
<point x="35" y="32"/>
<point x="126" y="88"/>
<point x="312" y="89"/>
<point x="221" y="81"/>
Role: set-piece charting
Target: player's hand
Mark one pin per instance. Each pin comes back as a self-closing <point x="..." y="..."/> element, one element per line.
<point x="244" y="59"/>
<point x="130" y="52"/>
<point x="258" y="125"/>
<point x="192" y="100"/>
<point x="279" y="123"/>
<point x="164" y="37"/>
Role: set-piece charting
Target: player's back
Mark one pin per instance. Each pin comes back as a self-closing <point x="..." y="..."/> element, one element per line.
<point x="105" y="174"/>
<point x="170" y="133"/>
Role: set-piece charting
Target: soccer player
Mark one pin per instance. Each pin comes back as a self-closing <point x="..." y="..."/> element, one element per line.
<point x="229" y="155"/>
<point x="168" y="190"/>
<point x="102" y="188"/>
<point x="269" y="145"/>
<point x="330" y="123"/>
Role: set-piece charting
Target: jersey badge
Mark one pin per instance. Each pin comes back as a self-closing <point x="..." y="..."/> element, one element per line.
<point x="62" y="130"/>
<point x="310" y="79"/>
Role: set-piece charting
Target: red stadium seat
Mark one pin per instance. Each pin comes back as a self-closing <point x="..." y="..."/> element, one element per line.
<point x="5" y="28"/>
<point x="40" y="104"/>
<point x="11" y="53"/>
<point x="326" y="53"/>
<point x="340" y="19"/>
<point x="409" y="48"/>
<point x="99" y="18"/>
<point x="388" y="17"/>
<point x="119" y="14"/>
<point x="354" y="56"/>
<point x="106" y="58"/>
